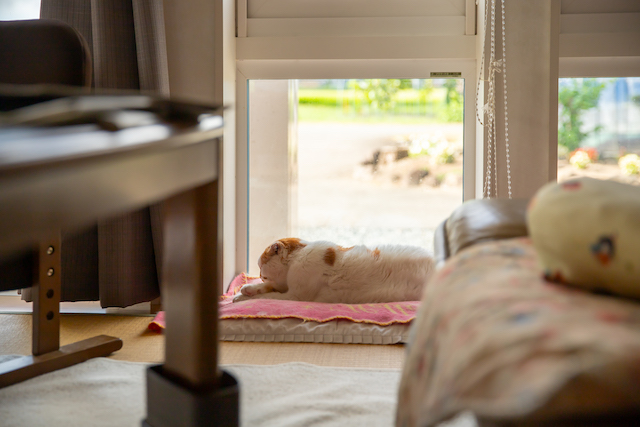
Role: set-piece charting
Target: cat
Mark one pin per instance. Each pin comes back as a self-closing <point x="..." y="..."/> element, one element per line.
<point x="321" y="271"/>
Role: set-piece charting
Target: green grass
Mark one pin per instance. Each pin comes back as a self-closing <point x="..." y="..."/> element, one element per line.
<point x="330" y="105"/>
<point x="312" y="113"/>
<point x="336" y="97"/>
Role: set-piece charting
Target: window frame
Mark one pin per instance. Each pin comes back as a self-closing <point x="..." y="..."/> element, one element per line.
<point x="344" y="69"/>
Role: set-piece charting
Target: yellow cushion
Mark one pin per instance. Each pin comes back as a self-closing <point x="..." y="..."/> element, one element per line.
<point x="587" y="233"/>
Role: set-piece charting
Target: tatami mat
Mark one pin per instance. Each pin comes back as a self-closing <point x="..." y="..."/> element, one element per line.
<point x="340" y="355"/>
<point x="142" y="345"/>
<point x="139" y="344"/>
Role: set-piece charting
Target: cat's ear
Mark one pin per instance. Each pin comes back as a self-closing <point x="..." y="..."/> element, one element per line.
<point x="275" y="249"/>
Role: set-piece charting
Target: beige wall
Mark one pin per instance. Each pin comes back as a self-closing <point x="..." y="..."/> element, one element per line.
<point x="193" y="38"/>
<point x="201" y="58"/>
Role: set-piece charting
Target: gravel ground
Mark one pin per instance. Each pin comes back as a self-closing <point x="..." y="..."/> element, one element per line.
<point x="372" y="237"/>
<point x="335" y="206"/>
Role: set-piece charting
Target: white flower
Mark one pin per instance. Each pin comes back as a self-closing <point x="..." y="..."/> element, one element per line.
<point x="580" y="159"/>
<point x="630" y="164"/>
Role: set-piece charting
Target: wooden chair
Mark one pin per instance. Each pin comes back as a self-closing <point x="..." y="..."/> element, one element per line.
<point x="44" y="52"/>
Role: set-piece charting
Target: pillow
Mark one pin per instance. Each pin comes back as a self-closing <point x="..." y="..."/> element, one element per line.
<point x="267" y="320"/>
<point x="587" y="233"/>
<point x="296" y="330"/>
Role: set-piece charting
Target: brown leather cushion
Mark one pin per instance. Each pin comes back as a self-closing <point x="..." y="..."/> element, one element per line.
<point x="43" y="51"/>
<point x="480" y="221"/>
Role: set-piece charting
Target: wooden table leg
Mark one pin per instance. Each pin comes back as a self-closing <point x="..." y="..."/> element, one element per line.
<point x="190" y="289"/>
<point x="189" y="389"/>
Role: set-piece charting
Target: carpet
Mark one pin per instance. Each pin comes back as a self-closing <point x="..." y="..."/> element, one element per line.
<point x="106" y="392"/>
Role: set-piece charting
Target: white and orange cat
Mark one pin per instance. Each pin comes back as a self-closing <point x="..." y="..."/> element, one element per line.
<point x="293" y="269"/>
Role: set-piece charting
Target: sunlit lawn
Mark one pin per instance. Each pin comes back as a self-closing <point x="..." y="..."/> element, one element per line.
<point x="328" y="105"/>
<point x="313" y="113"/>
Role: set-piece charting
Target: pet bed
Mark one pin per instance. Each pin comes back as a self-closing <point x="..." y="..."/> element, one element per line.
<point x="264" y="320"/>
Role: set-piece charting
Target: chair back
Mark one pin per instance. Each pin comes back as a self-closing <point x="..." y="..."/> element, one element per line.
<point x="39" y="51"/>
<point x="43" y="51"/>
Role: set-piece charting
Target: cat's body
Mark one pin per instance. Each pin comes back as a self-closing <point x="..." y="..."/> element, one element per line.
<point x="293" y="269"/>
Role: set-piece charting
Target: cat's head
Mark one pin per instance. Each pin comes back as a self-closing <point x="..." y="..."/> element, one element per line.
<point x="274" y="261"/>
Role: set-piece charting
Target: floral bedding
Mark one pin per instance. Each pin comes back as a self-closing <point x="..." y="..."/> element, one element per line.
<point x="494" y="338"/>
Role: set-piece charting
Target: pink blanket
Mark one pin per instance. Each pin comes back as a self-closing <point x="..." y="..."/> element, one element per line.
<point x="380" y="313"/>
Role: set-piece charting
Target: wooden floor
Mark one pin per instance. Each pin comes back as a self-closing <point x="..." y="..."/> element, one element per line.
<point x="142" y="345"/>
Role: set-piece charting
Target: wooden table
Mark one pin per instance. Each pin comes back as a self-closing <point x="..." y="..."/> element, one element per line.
<point x="54" y="178"/>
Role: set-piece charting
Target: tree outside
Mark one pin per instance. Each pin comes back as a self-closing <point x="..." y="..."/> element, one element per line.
<point x="377" y="93"/>
<point x="454" y="104"/>
<point x="575" y="97"/>
<point x="599" y="129"/>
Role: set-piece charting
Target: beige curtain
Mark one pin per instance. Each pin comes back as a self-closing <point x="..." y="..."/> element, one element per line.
<point x="117" y="261"/>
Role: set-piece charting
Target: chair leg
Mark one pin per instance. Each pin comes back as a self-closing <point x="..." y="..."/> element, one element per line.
<point x="46" y="297"/>
<point x="47" y="354"/>
<point x="156" y="305"/>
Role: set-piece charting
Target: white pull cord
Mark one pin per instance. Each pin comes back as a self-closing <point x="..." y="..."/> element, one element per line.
<point x="489" y="109"/>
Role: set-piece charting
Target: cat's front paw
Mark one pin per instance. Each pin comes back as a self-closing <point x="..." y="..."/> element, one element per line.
<point x="249" y="290"/>
<point x="240" y="297"/>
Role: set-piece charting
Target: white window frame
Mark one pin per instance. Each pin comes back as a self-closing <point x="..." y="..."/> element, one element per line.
<point x="343" y="69"/>
<point x="381" y="40"/>
<point x="602" y="44"/>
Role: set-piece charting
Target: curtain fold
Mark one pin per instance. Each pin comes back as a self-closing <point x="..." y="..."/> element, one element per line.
<point x="151" y="46"/>
<point x="115" y="62"/>
<point x="117" y="261"/>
